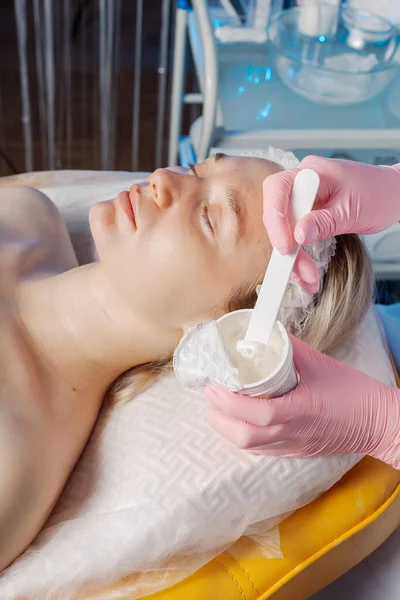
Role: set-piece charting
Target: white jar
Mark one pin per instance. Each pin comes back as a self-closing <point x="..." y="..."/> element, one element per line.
<point x="207" y="354"/>
<point x="274" y="376"/>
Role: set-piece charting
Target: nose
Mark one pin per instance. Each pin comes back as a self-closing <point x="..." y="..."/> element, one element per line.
<point x="163" y="187"/>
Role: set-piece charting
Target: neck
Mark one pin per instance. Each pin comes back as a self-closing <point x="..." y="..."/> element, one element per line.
<point x="84" y="332"/>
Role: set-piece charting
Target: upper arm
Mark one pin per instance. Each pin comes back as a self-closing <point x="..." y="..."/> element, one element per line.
<point x="19" y="517"/>
<point x="13" y="504"/>
<point x="31" y="462"/>
<point x="27" y="215"/>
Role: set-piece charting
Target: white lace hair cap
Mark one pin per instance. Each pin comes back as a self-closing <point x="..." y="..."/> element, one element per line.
<point x="297" y="304"/>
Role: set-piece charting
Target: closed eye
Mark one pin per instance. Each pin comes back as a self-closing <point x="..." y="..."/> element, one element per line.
<point x="204" y="209"/>
<point x="192" y="167"/>
<point x="206" y="218"/>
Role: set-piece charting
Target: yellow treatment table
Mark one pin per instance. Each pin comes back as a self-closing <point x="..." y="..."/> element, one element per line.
<point x="320" y="542"/>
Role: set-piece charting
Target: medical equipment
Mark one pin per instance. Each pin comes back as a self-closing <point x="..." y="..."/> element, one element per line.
<point x="246" y="106"/>
<point x="250" y="25"/>
<point x="333" y="56"/>
<point x="388" y="9"/>
<point x="384" y="250"/>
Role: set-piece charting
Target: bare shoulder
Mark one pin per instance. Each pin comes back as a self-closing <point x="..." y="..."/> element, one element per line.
<point x="16" y="201"/>
<point x="30" y="222"/>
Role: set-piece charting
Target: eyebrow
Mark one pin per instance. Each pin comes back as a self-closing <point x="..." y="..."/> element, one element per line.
<point x="219" y="156"/>
<point x="237" y="210"/>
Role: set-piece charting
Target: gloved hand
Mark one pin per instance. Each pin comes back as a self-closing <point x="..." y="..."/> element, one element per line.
<point x="333" y="410"/>
<point x="352" y="198"/>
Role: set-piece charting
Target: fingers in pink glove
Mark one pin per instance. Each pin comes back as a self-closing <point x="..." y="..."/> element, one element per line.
<point x="305" y="272"/>
<point x="323" y="222"/>
<point x="346" y="199"/>
<point x="319" y="225"/>
<point x="345" y="203"/>
<point x="257" y="411"/>
<point x="276" y="191"/>
<point x="241" y="433"/>
<point x="276" y="196"/>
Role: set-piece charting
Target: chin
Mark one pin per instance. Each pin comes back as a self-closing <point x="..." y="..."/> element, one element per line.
<point x="101" y="221"/>
<point x="101" y="215"/>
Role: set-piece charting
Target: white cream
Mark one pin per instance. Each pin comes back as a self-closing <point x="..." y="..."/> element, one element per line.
<point x="254" y="361"/>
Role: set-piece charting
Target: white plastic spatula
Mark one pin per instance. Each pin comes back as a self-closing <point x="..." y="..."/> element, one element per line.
<point x="280" y="267"/>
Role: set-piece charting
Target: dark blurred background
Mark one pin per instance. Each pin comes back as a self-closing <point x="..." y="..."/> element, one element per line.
<point x="75" y="35"/>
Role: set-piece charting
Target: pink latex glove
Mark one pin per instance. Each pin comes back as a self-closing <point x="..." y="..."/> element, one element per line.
<point x="353" y="197"/>
<point x="333" y="410"/>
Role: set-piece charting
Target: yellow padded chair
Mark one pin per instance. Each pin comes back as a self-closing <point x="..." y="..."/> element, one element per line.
<point x="320" y="542"/>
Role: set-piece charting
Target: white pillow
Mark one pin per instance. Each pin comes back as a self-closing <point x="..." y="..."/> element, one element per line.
<point x="155" y="483"/>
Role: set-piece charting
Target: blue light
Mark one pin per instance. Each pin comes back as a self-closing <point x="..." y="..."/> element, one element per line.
<point x="264" y="112"/>
<point x="240" y="90"/>
<point x="322" y="38"/>
<point x="268" y="74"/>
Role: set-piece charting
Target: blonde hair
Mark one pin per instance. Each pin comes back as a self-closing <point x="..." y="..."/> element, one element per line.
<point x="339" y="307"/>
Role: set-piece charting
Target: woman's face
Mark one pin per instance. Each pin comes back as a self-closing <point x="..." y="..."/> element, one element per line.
<point x="197" y="234"/>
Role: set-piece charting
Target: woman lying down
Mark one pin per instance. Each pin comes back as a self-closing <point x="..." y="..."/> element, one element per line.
<point x="182" y="247"/>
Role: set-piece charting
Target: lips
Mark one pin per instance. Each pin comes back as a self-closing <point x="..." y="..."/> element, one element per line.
<point x="127" y="205"/>
<point x="133" y="197"/>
